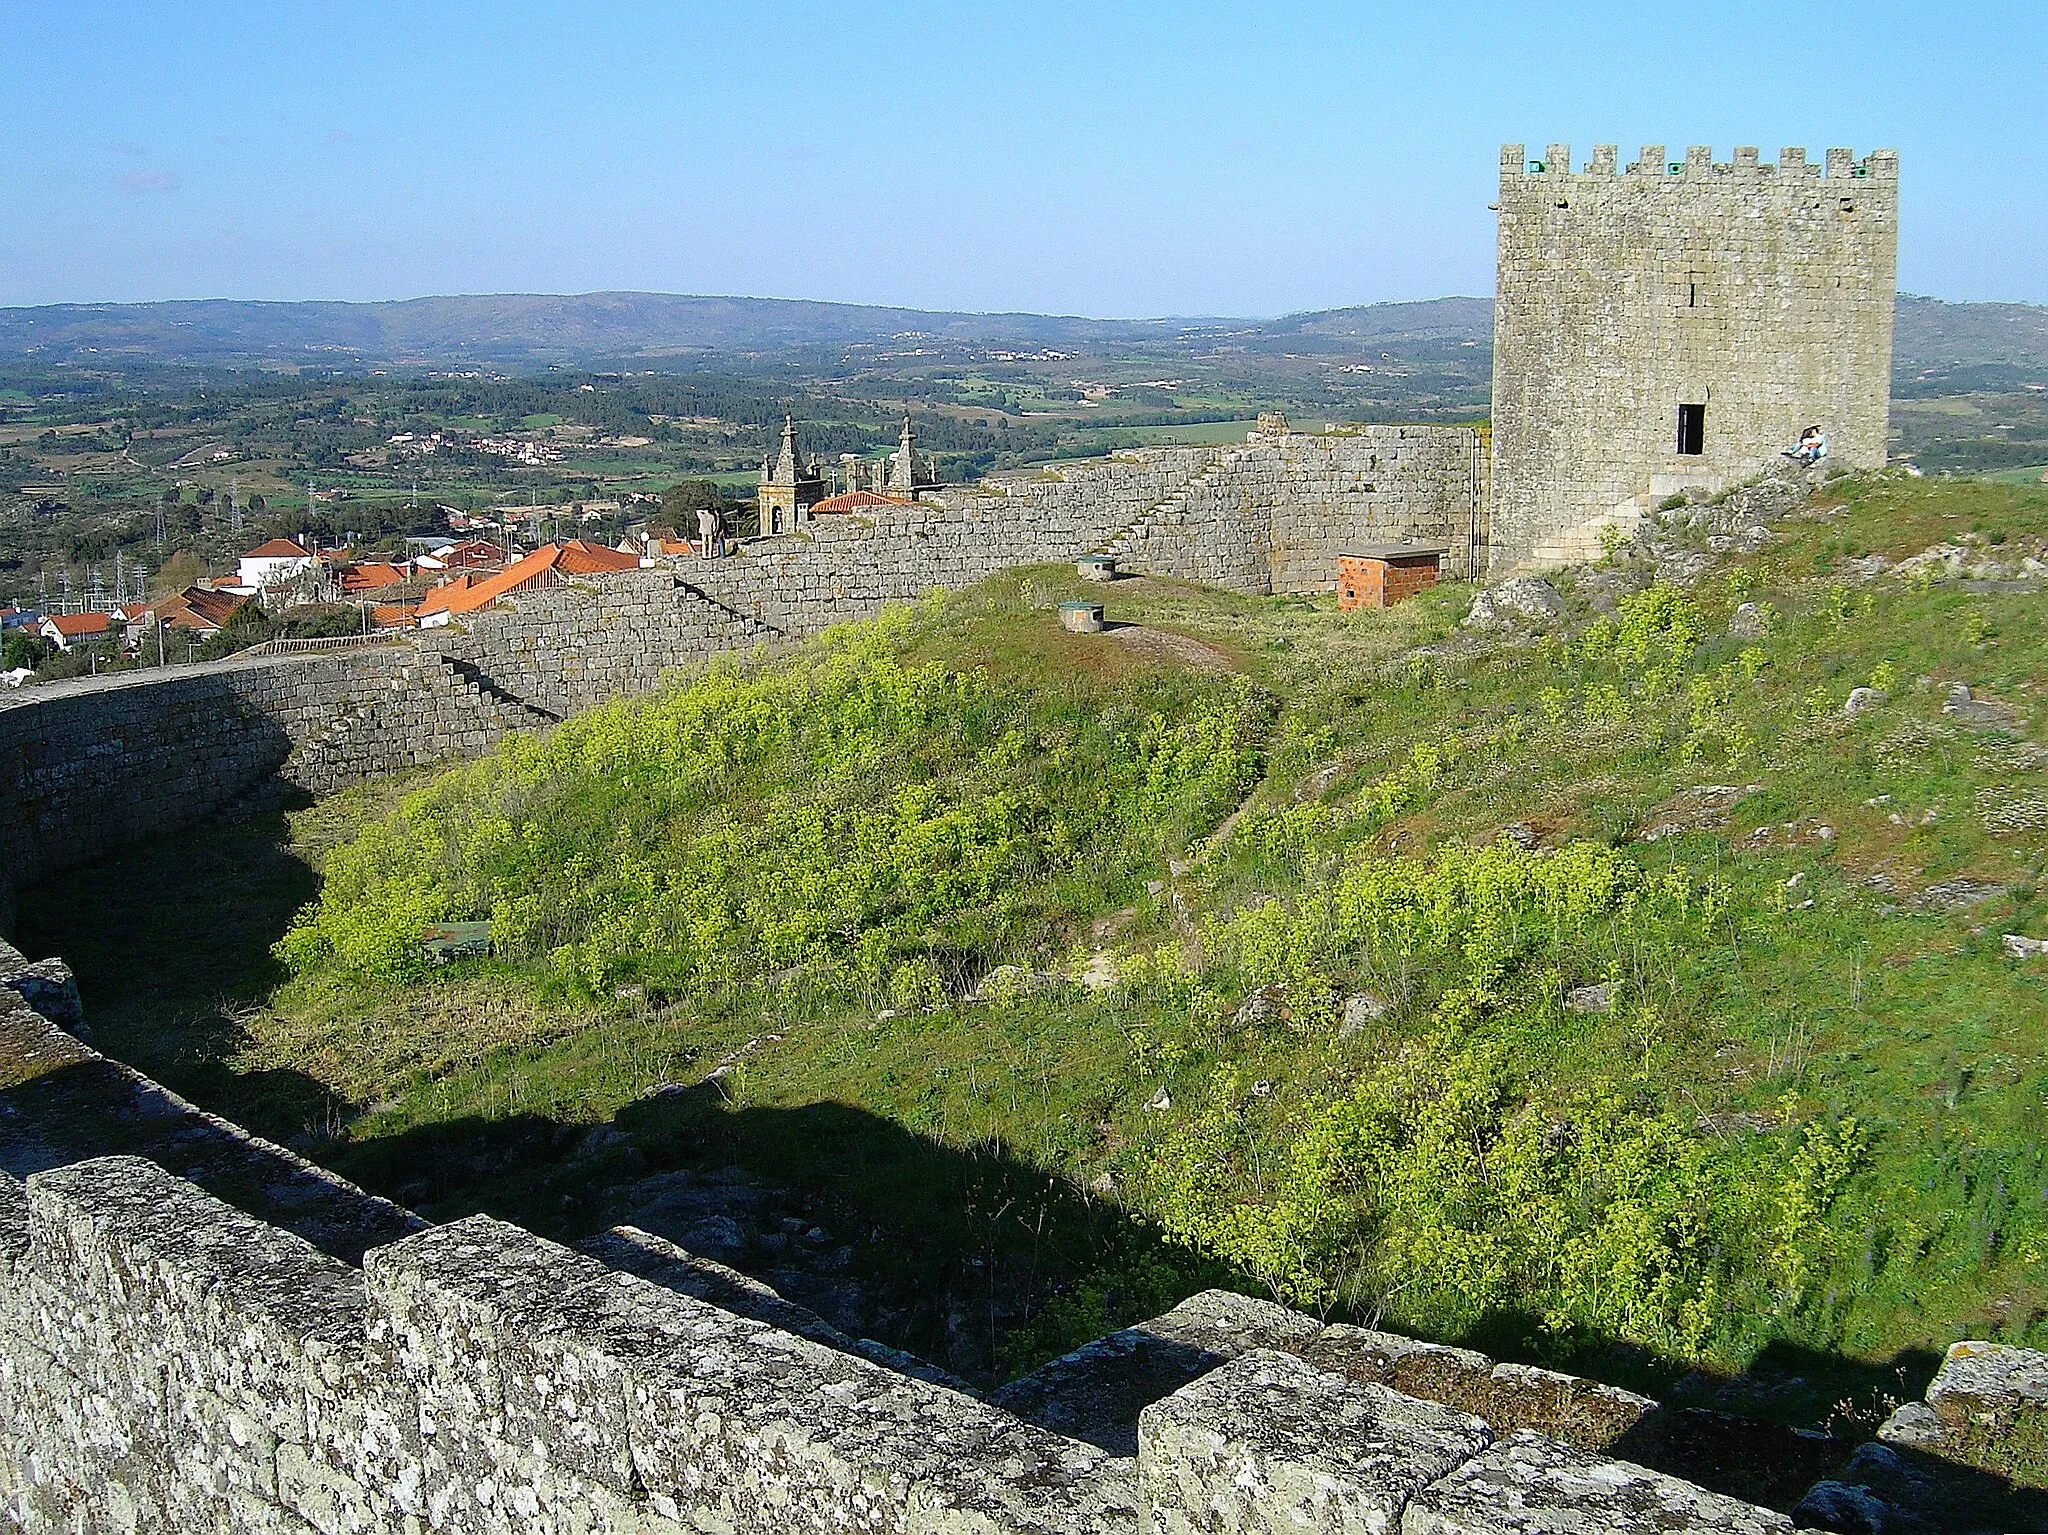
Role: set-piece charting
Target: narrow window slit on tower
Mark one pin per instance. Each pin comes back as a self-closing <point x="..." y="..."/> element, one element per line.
<point x="1692" y="430"/>
<point x="1692" y="295"/>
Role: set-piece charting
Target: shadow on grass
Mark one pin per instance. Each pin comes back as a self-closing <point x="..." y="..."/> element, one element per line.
<point x="967" y="1256"/>
<point x="170" y="939"/>
<point x="952" y="1254"/>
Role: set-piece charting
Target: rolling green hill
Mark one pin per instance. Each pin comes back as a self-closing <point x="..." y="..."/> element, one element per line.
<point x="1629" y="989"/>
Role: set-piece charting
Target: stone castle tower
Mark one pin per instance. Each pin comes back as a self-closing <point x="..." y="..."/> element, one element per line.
<point x="1675" y="325"/>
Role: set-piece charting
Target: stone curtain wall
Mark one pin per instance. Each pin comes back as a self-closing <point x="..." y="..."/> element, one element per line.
<point x="850" y="566"/>
<point x="1275" y="515"/>
<point x="201" y="1331"/>
<point x="1763" y="291"/>
<point x="568" y="647"/>
<point x="1269" y="515"/>
<point x="91" y="766"/>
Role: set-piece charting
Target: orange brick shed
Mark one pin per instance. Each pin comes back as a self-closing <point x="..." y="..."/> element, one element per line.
<point x="1380" y="575"/>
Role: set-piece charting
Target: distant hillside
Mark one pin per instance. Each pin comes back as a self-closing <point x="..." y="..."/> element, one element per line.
<point x="1958" y="346"/>
<point x="1437" y="319"/>
<point x="507" y="330"/>
<point x="522" y="330"/>
<point x="1941" y="348"/>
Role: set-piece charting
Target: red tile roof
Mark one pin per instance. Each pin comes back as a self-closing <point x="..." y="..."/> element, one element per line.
<point x="71" y="625"/>
<point x="579" y="557"/>
<point x="368" y="578"/>
<point x="483" y="593"/>
<point x="446" y="592"/>
<point x="856" y="501"/>
<point x="279" y="549"/>
<point x="197" y="608"/>
<point x="471" y="554"/>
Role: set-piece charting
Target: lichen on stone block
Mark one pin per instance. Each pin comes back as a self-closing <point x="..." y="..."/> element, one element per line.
<point x="1270" y="1443"/>
<point x="1532" y="1485"/>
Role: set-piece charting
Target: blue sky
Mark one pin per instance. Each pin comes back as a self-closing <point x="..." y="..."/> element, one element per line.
<point x="1108" y="158"/>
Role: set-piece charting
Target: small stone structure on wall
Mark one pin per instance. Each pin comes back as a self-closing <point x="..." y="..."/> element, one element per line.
<point x="1674" y="325"/>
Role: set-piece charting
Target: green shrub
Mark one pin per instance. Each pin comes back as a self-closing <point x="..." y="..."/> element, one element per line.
<point x="887" y="829"/>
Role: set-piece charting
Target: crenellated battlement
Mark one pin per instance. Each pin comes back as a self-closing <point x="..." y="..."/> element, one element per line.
<point x="1697" y="164"/>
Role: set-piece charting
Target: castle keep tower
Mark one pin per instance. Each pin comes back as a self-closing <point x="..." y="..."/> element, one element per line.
<point x="1675" y="326"/>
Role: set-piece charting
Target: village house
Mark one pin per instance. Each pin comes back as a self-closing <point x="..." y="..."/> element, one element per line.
<point x="546" y="566"/>
<point x="651" y="546"/>
<point x="277" y="563"/>
<point x="197" y="609"/>
<point x="66" y="629"/>
<point x="471" y="554"/>
<point x="372" y="576"/>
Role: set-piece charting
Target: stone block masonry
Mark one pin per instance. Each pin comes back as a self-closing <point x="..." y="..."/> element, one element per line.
<point x="1269" y="515"/>
<point x="1758" y="296"/>
<point x="567" y="648"/>
<point x="200" y="1331"/>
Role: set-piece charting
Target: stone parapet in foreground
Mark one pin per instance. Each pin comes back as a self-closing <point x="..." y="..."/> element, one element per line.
<point x="214" y="1335"/>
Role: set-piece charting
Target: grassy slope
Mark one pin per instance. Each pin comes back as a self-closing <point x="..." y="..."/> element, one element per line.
<point x="1862" y="1006"/>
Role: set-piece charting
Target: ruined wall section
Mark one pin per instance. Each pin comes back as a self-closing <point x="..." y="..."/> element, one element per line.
<point x="1275" y="514"/>
<point x="1271" y="514"/>
<point x="851" y="566"/>
<point x="1762" y="291"/>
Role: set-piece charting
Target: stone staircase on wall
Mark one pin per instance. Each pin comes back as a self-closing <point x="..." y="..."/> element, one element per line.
<point x="749" y="627"/>
<point x="1170" y="511"/>
<point x="473" y="678"/>
<point x="439" y="706"/>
